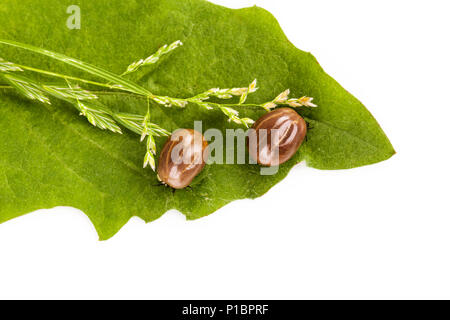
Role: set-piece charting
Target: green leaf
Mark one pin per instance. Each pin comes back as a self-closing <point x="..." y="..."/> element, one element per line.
<point x="50" y="156"/>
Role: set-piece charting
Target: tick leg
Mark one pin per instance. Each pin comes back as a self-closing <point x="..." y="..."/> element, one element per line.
<point x="159" y="184"/>
<point x="309" y="127"/>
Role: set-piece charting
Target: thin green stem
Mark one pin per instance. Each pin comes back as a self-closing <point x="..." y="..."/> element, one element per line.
<point x="63" y="76"/>
<point x="96" y="71"/>
<point x="138" y="96"/>
<point x="218" y="105"/>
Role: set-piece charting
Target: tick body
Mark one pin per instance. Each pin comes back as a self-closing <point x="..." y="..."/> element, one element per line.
<point x="276" y="137"/>
<point x="182" y="158"/>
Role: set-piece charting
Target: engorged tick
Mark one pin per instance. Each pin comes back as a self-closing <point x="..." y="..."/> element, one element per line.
<point x="276" y="137"/>
<point x="182" y="158"/>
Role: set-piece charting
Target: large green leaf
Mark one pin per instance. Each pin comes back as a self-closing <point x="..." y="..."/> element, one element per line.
<point x="50" y="157"/>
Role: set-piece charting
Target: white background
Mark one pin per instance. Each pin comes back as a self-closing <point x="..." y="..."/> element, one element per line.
<point x="381" y="231"/>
